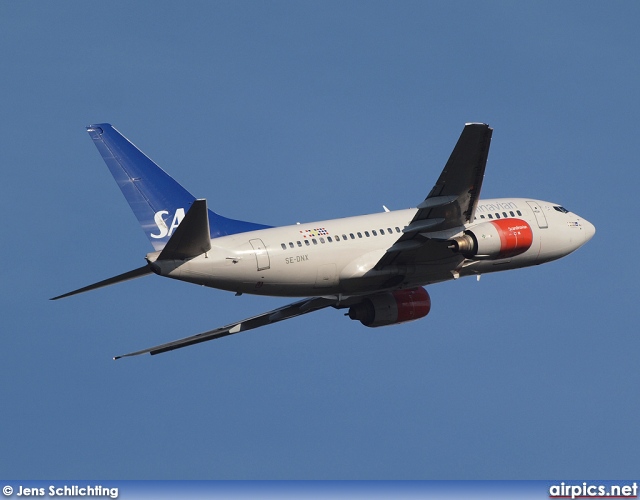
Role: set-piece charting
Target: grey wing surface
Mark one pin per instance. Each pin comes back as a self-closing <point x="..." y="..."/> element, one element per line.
<point x="289" y="311"/>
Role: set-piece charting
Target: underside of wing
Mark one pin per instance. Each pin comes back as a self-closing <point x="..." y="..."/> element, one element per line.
<point x="450" y="204"/>
<point x="455" y="195"/>
<point x="289" y="311"/>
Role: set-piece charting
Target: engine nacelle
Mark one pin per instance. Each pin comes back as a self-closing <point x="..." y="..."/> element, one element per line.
<point x="498" y="239"/>
<point x="390" y="308"/>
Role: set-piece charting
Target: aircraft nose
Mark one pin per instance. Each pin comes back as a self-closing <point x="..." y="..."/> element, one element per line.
<point x="588" y="229"/>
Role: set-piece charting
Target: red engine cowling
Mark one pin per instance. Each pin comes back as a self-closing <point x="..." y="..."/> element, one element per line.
<point x="498" y="239"/>
<point x="390" y="308"/>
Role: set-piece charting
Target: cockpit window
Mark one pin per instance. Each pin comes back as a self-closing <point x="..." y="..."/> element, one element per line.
<point x="561" y="209"/>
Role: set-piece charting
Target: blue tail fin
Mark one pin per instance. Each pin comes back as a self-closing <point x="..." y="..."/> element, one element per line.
<point x="157" y="200"/>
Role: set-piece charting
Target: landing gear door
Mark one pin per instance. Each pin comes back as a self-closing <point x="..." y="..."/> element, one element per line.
<point x="262" y="257"/>
<point x="537" y="211"/>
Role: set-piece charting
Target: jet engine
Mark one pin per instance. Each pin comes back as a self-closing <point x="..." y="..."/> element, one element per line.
<point x="497" y="239"/>
<point x="391" y="308"/>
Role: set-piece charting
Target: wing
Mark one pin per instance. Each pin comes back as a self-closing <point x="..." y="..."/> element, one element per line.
<point x="452" y="201"/>
<point x="289" y="311"/>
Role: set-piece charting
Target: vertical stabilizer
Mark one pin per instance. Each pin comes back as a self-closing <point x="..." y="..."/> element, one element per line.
<point x="157" y="200"/>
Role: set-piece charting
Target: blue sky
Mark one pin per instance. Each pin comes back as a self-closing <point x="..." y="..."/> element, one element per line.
<point x="279" y="112"/>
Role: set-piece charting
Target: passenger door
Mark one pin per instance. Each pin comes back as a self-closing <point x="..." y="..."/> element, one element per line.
<point x="262" y="256"/>
<point x="540" y="217"/>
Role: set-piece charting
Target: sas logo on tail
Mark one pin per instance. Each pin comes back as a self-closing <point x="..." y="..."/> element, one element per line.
<point x="162" y="225"/>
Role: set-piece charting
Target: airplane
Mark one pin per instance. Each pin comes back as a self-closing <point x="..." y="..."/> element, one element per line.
<point x="376" y="266"/>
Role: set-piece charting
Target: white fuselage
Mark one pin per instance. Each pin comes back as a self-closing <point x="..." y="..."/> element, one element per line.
<point x="338" y="257"/>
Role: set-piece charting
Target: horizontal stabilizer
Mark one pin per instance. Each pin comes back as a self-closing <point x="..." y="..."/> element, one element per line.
<point x="191" y="238"/>
<point x="136" y="273"/>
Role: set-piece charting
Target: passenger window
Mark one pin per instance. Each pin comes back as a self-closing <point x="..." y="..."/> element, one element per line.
<point x="512" y="214"/>
<point x="373" y="231"/>
<point x="344" y="236"/>
<point x="490" y="216"/>
<point x="366" y="233"/>
<point x="315" y="242"/>
<point x="482" y="216"/>
<point x="321" y="240"/>
<point x="306" y="242"/>
<point x="497" y="216"/>
<point x="352" y="236"/>
<point x="291" y="244"/>
<point x="284" y="247"/>
<point x="382" y="231"/>
<point x="519" y="212"/>
<point x="337" y="238"/>
<point x="390" y="231"/>
<point x="397" y="229"/>
<point x="299" y="243"/>
<point x="504" y="214"/>
<point x="359" y="235"/>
